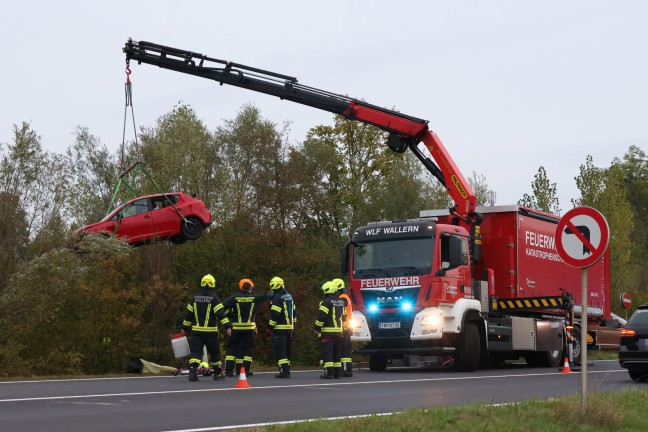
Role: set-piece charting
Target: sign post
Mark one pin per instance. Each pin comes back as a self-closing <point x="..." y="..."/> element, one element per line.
<point x="582" y="237"/>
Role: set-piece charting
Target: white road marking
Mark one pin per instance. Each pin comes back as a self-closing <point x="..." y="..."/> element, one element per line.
<point x="288" y="386"/>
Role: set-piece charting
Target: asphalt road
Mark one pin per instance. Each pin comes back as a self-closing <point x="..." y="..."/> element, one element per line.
<point x="172" y="403"/>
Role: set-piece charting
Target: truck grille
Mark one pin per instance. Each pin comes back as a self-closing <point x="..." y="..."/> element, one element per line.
<point x="393" y="299"/>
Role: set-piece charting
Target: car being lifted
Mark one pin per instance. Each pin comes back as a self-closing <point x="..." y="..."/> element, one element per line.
<point x="175" y="216"/>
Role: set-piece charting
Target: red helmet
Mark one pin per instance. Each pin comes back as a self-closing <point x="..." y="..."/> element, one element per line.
<point x="246" y="285"/>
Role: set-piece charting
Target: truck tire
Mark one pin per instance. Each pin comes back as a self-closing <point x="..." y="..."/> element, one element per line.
<point x="577" y="352"/>
<point x="378" y="363"/>
<point x="467" y="357"/>
<point x="544" y="358"/>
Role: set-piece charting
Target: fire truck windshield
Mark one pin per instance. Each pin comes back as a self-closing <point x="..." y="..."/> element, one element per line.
<point x="404" y="257"/>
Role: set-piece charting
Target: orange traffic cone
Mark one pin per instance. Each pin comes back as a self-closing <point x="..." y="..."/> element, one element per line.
<point x="566" y="368"/>
<point x="242" y="382"/>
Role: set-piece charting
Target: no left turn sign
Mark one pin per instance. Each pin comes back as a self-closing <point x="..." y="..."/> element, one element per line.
<point x="582" y="236"/>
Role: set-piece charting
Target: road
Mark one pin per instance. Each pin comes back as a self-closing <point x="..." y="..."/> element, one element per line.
<point x="162" y="403"/>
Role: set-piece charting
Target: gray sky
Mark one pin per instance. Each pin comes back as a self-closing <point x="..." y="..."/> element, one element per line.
<point x="507" y="85"/>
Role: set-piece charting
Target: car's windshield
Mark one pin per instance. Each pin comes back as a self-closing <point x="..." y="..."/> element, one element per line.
<point x="411" y="256"/>
<point x="639" y="318"/>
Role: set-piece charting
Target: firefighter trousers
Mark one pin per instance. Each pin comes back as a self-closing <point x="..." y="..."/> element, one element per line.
<point x="205" y="339"/>
<point x="345" y="353"/>
<point x="240" y="346"/>
<point x="331" y="355"/>
<point x="282" y="343"/>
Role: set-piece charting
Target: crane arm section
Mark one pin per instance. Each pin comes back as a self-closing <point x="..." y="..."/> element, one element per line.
<point x="404" y="131"/>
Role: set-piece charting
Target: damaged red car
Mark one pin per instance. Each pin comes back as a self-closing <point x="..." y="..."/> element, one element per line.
<point x="175" y="216"/>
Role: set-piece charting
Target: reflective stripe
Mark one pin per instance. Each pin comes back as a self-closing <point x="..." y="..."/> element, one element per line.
<point x="276" y="308"/>
<point x="283" y="361"/>
<point x="324" y="309"/>
<point x="332" y="329"/>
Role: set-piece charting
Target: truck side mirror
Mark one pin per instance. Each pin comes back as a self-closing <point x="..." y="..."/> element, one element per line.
<point x="344" y="262"/>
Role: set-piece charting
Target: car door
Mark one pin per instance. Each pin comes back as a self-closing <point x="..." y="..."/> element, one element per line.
<point x="136" y="223"/>
<point x="166" y="221"/>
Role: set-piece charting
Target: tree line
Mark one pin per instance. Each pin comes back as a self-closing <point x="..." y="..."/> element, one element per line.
<point x="84" y="306"/>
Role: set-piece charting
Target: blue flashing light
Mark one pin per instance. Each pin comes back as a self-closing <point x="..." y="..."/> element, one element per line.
<point x="406" y="306"/>
<point x="373" y="307"/>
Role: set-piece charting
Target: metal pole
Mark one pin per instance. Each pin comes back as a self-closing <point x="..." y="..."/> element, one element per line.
<point x="583" y="344"/>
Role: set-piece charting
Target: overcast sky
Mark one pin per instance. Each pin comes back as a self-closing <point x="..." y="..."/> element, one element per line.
<point x="507" y="85"/>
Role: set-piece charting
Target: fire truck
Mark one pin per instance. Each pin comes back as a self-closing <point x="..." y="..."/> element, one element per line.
<point x="465" y="286"/>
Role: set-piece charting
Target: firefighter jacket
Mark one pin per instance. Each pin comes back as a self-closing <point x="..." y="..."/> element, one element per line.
<point x="282" y="311"/>
<point x="242" y="308"/>
<point x="330" y="316"/>
<point x="203" y="310"/>
<point x="348" y="310"/>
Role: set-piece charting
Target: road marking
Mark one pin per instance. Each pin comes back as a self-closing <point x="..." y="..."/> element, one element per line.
<point x="258" y="425"/>
<point x="417" y="380"/>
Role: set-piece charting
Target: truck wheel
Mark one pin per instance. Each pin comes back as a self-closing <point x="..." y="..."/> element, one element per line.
<point x="192" y="228"/>
<point x="544" y="358"/>
<point x="467" y="357"/>
<point x="576" y="346"/>
<point x="378" y="363"/>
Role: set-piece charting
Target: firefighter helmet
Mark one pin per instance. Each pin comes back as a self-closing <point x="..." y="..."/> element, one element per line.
<point x="208" y="280"/>
<point x="339" y="283"/>
<point x="329" y="287"/>
<point x="246" y="285"/>
<point x="276" y="283"/>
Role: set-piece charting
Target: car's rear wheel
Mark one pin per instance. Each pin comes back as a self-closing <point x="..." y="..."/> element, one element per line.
<point x="191" y="228"/>
<point x="638" y="374"/>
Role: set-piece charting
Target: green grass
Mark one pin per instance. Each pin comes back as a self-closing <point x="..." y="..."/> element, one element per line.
<point x="619" y="411"/>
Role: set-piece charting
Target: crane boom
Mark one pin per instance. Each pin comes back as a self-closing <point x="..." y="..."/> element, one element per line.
<point x="404" y="131"/>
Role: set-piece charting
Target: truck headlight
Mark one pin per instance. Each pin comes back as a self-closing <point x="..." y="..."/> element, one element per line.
<point x="432" y="320"/>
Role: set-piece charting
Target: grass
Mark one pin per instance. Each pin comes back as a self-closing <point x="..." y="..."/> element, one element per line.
<point x="621" y="411"/>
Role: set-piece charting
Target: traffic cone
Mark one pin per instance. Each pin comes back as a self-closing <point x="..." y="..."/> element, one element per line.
<point x="242" y="382"/>
<point x="566" y="368"/>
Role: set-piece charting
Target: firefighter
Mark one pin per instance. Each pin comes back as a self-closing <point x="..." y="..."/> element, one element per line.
<point x="345" y="346"/>
<point x="329" y="327"/>
<point x="282" y="325"/>
<point x="203" y="310"/>
<point x="242" y="308"/>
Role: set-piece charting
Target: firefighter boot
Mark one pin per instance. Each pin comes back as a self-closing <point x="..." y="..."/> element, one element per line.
<point x="284" y="371"/>
<point x="229" y="368"/>
<point x="193" y="373"/>
<point x="337" y="372"/>
<point x="348" y="369"/>
<point x="247" y="365"/>
<point x="218" y="373"/>
<point x="329" y="373"/>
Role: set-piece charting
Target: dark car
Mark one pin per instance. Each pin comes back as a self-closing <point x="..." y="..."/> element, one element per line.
<point x="154" y="217"/>
<point x="633" y="351"/>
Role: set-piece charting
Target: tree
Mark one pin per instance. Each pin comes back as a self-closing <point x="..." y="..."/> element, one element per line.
<point x="93" y="173"/>
<point x="480" y="187"/>
<point x="544" y="194"/>
<point x="181" y="155"/>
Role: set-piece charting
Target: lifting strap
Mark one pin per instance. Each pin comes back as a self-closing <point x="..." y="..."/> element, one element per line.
<point x="129" y="175"/>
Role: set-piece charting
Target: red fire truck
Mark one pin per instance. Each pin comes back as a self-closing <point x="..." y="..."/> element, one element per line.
<point x="464" y="285"/>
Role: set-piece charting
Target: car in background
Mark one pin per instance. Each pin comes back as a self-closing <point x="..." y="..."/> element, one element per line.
<point x="175" y="216"/>
<point x="633" y="351"/>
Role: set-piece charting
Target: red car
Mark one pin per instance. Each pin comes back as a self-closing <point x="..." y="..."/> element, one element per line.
<point x="150" y="217"/>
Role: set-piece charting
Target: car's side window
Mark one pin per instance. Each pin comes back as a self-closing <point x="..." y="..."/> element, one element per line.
<point x="135" y="208"/>
<point x="162" y="202"/>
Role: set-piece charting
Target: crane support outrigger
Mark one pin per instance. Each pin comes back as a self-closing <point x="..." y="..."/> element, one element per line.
<point x="404" y="131"/>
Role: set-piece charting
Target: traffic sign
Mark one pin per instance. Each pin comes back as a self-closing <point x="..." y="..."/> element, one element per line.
<point x="582" y="237"/>
<point x="626" y="300"/>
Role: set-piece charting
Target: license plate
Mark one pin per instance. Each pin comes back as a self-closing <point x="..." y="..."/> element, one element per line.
<point x="389" y="325"/>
